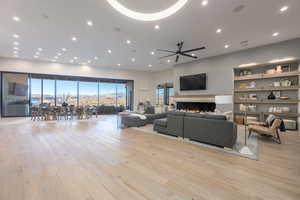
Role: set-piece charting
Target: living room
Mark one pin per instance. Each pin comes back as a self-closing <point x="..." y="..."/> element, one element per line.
<point x="133" y="102"/>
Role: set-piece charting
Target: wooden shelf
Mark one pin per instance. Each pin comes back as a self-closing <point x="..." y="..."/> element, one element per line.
<point x="266" y="76"/>
<point x="267" y="102"/>
<point x="267" y="89"/>
<point x="269" y="64"/>
<point x="268" y="113"/>
<point x="248" y="113"/>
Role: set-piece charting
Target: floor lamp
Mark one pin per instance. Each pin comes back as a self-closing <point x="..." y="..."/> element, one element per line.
<point x="245" y="149"/>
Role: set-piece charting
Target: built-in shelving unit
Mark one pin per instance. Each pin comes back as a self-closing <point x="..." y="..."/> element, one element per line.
<point x="270" y="88"/>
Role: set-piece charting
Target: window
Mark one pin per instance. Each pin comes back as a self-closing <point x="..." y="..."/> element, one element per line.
<point x="160" y="96"/>
<point x="171" y="96"/>
<point x="107" y="93"/>
<point x="49" y="91"/>
<point x="66" y="92"/>
<point x="88" y="93"/>
<point x="36" y="91"/>
<point x="121" y="94"/>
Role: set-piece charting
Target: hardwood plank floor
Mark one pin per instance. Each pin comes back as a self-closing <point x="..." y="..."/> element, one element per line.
<point x="91" y="160"/>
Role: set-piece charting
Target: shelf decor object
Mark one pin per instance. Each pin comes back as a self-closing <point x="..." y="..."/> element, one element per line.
<point x="270" y="88"/>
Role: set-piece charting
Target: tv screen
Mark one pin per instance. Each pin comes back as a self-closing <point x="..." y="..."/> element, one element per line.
<point x="193" y="82"/>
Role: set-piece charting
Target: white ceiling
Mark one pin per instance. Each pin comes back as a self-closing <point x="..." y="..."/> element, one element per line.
<point x="50" y="24"/>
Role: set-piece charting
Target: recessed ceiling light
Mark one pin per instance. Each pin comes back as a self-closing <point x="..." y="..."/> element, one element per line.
<point x="219" y="30"/>
<point x="119" y="64"/>
<point x="37" y="53"/>
<point x="150" y="65"/>
<point x="284" y="8"/>
<point x="16" y="48"/>
<point x="89" y="61"/>
<point x="56" y="57"/>
<point x="128" y="41"/>
<point x="193" y="54"/>
<point x="17" y="19"/>
<point x="53" y="60"/>
<point x="59" y="54"/>
<point x="15" y="52"/>
<point x="204" y="3"/>
<point x="89" y="23"/>
<point x="40" y="49"/>
<point x="64" y="49"/>
<point x="168" y="61"/>
<point x="16" y="36"/>
<point x="227" y="46"/>
<point x="157" y="27"/>
<point x="74" y="39"/>
<point x="147" y="16"/>
<point x="109" y="51"/>
<point x="133" y="59"/>
<point x="71" y="61"/>
<point x="96" y="58"/>
<point x="35" y="56"/>
<point x="275" y="34"/>
<point x="75" y="58"/>
<point x="16" y="43"/>
<point x="152" y="52"/>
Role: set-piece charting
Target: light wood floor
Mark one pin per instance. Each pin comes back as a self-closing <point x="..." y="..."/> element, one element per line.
<point x="93" y="160"/>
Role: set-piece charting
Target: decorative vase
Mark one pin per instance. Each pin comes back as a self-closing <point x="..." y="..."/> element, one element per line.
<point x="271" y="96"/>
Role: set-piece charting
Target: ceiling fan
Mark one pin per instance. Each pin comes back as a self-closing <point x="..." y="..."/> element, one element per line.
<point x="179" y="52"/>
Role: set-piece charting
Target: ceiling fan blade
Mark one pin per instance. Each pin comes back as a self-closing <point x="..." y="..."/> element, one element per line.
<point x="166" y="50"/>
<point x="177" y="58"/>
<point x="187" y="55"/>
<point x="197" y="49"/>
<point x="168" y="56"/>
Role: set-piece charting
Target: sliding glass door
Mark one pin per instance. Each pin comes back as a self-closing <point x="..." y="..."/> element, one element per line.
<point x="88" y="93"/>
<point x="66" y="92"/>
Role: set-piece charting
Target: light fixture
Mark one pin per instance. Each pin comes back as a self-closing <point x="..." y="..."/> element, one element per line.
<point x="64" y="49"/>
<point x="71" y="61"/>
<point x="37" y="53"/>
<point x="286" y="59"/>
<point x="152" y="53"/>
<point x="16" y="48"/>
<point x="157" y="27"/>
<point x="133" y="59"/>
<point x="147" y="16"/>
<point x="75" y="58"/>
<point x="89" y="61"/>
<point x="227" y="46"/>
<point x="275" y="34"/>
<point x="17" y="19"/>
<point x="16" y="43"/>
<point x="149" y="65"/>
<point x="204" y="3"/>
<point x="53" y="60"/>
<point x="168" y="61"/>
<point x="89" y="23"/>
<point x="16" y="52"/>
<point x="128" y="41"/>
<point x="219" y="30"/>
<point x="59" y="54"/>
<point x="35" y="56"/>
<point x="56" y="57"/>
<point x="248" y="64"/>
<point x="119" y="64"/>
<point x="193" y="54"/>
<point x="109" y="51"/>
<point x="284" y="8"/>
<point x="40" y="49"/>
<point x="74" y="38"/>
<point x="16" y="36"/>
<point x="96" y="58"/>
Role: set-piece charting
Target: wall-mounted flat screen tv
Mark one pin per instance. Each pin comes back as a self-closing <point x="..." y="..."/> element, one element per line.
<point x="193" y="82"/>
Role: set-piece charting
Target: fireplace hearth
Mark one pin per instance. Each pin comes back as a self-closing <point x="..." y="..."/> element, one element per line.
<point x="196" y="106"/>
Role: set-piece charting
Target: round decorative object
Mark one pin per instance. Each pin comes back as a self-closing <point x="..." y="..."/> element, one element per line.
<point x="147" y="16"/>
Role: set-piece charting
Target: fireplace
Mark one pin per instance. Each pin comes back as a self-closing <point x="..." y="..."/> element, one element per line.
<point x="196" y="106"/>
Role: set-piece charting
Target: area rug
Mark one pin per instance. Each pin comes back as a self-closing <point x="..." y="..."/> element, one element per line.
<point x="252" y="142"/>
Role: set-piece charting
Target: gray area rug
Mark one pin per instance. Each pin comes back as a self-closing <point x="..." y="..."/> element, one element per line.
<point x="252" y="142"/>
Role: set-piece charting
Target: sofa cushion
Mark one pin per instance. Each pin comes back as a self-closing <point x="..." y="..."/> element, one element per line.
<point x="161" y="122"/>
<point x="206" y="116"/>
<point x="176" y="113"/>
<point x="196" y="115"/>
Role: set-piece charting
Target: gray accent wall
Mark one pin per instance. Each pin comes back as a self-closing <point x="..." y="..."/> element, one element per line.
<point x="219" y="69"/>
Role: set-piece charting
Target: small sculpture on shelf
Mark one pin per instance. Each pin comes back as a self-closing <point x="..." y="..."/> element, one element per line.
<point x="271" y="96"/>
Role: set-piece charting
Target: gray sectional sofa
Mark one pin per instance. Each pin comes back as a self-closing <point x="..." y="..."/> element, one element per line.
<point x="211" y="129"/>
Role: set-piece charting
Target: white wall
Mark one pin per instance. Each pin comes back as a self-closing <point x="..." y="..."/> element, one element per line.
<point x="219" y="69"/>
<point x="142" y="80"/>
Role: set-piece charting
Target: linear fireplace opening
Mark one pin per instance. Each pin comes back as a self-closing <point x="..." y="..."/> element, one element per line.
<point x="196" y="106"/>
